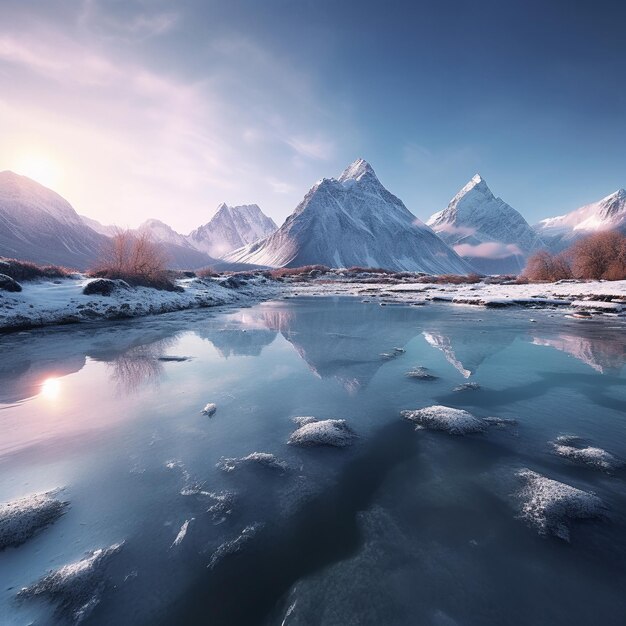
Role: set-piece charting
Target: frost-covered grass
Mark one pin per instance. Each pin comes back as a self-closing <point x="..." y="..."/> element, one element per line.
<point x="21" y="519"/>
<point x="550" y="505"/>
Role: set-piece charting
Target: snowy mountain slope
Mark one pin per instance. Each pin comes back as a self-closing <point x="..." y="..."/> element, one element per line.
<point x="37" y="224"/>
<point x="485" y="230"/>
<point x="231" y="228"/>
<point x="606" y="214"/>
<point x="108" y="230"/>
<point x="353" y="220"/>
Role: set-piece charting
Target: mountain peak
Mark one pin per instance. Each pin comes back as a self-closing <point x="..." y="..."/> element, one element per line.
<point x="356" y="171"/>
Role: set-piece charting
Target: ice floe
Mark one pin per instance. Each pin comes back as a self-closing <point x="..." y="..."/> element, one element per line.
<point x="21" y="519"/>
<point x="323" y="433"/>
<point x="574" y="449"/>
<point x="264" y="459"/>
<point x="75" y="588"/>
<point x="235" y="545"/>
<point x="549" y="505"/>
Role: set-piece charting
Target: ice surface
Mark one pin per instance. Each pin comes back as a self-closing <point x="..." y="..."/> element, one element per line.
<point x="323" y="433"/>
<point x="574" y="449"/>
<point x="453" y="421"/>
<point x="550" y="505"/>
<point x="235" y="545"/>
<point x="75" y="588"/>
<point x="21" y="519"/>
<point x="264" y="459"/>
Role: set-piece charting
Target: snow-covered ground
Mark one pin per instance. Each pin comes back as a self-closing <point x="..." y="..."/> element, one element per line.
<point x="42" y="303"/>
<point x="609" y="296"/>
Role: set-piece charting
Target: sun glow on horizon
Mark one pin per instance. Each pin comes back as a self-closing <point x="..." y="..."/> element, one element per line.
<point x="40" y="168"/>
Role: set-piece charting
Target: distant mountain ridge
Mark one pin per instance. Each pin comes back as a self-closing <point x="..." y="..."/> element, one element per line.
<point x="609" y="213"/>
<point x="485" y="230"/>
<point x="353" y="220"/>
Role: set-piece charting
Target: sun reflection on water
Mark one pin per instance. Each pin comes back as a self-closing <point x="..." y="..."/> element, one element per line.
<point x="51" y="388"/>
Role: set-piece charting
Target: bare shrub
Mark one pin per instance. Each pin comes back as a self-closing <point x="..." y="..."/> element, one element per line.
<point x="457" y="279"/>
<point x="25" y="270"/>
<point x="206" y="272"/>
<point x="601" y="255"/>
<point x="283" y="272"/>
<point x="135" y="258"/>
<point x="545" y="267"/>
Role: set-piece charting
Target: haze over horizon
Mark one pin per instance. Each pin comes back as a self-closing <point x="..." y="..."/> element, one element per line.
<point x="135" y="110"/>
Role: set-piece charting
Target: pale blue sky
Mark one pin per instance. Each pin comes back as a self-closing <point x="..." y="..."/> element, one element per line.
<point x="143" y="108"/>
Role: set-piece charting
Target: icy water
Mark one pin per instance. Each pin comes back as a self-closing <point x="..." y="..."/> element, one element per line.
<point x="405" y="526"/>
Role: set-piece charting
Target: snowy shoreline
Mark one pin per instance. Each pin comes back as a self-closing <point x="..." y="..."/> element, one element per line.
<point x="44" y="303"/>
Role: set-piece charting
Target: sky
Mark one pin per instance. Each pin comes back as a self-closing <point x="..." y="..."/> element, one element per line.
<point x="133" y="109"/>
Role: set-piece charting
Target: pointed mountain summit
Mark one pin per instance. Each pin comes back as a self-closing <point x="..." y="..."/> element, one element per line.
<point x="231" y="228"/>
<point x="485" y="230"/>
<point x="353" y="220"/>
<point x="606" y="214"/>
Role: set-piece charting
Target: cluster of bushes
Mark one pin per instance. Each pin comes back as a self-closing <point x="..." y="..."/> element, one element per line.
<point x="25" y="270"/>
<point x="283" y="272"/>
<point x="136" y="259"/>
<point x="598" y="256"/>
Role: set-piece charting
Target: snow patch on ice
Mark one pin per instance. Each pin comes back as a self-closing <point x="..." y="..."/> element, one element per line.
<point x="21" y="519"/>
<point x="453" y="421"/>
<point x="182" y="533"/>
<point x="76" y="588"/>
<point x="264" y="459"/>
<point x="235" y="546"/>
<point x="331" y="432"/>
<point x="467" y="387"/>
<point x="574" y="449"/>
<point x="420" y="373"/>
<point x="549" y="505"/>
<point x="209" y="409"/>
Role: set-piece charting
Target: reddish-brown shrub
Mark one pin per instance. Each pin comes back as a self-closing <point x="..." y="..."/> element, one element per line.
<point x="206" y="272"/>
<point x="545" y="267"/>
<point x="25" y="270"/>
<point x="602" y="255"/>
<point x="135" y="258"/>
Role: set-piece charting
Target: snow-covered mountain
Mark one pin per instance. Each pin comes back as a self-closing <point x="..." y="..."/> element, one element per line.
<point x="606" y="214"/>
<point x="230" y="228"/>
<point x="353" y="220"/>
<point x="37" y="224"/>
<point x="485" y="230"/>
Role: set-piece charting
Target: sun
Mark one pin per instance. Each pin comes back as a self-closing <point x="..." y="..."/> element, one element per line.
<point x="39" y="167"/>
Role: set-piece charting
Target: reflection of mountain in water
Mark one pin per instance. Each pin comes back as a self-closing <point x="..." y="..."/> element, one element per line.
<point x="341" y="339"/>
<point x="605" y="354"/>
<point x="465" y="348"/>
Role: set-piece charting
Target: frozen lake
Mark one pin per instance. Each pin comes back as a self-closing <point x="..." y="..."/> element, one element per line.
<point x="399" y="526"/>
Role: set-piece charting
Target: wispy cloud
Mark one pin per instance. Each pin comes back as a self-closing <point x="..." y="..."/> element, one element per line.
<point x="490" y="250"/>
<point x="314" y="148"/>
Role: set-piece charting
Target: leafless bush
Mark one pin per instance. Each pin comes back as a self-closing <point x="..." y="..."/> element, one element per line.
<point x="135" y="258"/>
<point x="545" y="267"/>
<point x="458" y="279"/>
<point x="206" y="272"/>
<point x="282" y="272"/>
<point x="25" y="270"/>
<point x="602" y="255"/>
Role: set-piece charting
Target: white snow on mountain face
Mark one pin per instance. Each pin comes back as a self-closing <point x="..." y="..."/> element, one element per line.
<point x="231" y="228"/>
<point x="606" y="214"/>
<point x="108" y="230"/>
<point x="37" y="224"/>
<point x="485" y="230"/>
<point x="353" y="220"/>
<point x="159" y="231"/>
